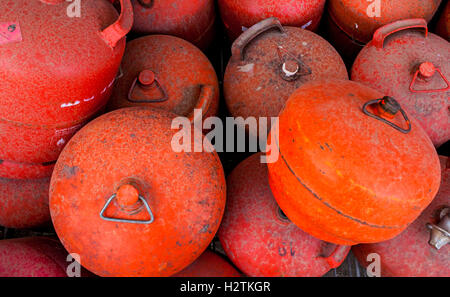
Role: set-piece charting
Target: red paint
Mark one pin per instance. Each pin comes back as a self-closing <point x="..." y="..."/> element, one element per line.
<point x="185" y="192"/>
<point x="209" y="264"/>
<point x="409" y="254"/>
<point x="59" y="76"/>
<point x="262" y="243"/>
<point x="192" y="20"/>
<point x="238" y="15"/>
<point x="415" y="70"/>
<point x="344" y="176"/>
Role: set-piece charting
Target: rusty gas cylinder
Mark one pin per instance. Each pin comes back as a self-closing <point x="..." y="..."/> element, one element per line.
<point x="351" y="23"/>
<point x="24" y="202"/>
<point x="443" y="25"/>
<point x="270" y="61"/>
<point x="166" y="72"/>
<point x="209" y="264"/>
<point x="413" y="67"/>
<point x="192" y="20"/>
<point x="127" y="203"/>
<point x="238" y="15"/>
<point x="353" y="166"/>
<point x="54" y="75"/>
<point x="36" y="257"/>
<point x="423" y="249"/>
<point x="260" y="239"/>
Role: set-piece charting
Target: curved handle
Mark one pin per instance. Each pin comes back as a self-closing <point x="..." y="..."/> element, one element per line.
<point x="237" y="50"/>
<point x="204" y="102"/>
<point x="146" y="79"/>
<point x="142" y="199"/>
<point x="338" y="256"/>
<point x="380" y="35"/>
<point x="388" y="100"/>
<point x="115" y="32"/>
<point x="427" y="70"/>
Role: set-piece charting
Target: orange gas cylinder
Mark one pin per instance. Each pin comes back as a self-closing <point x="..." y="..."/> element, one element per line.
<point x="443" y="25"/>
<point x="209" y="264"/>
<point x="192" y="20"/>
<point x="127" y="203"/>
<point x="406" y="62"/>
<point x="238" y="15"/>
<point x="260" y="239"/>
<point x="352" y="167"/>
<point x="351" y="23"/>
<point x="267" y="65"/>
<point x="166" y="72"/>
<point x="423" y="249"/>
<point x="24" y="202"/>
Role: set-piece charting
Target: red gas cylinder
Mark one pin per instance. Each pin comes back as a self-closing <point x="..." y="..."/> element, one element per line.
<point x="34" y="257"/>
<point x="166" y="72"/>
<point x="443" y="25"/>
<point x="422" y="250"/>
<point x="413" y="67"/>
<point x="209" y="264"/>
<point x="238" y="15"/>
<point x="353" y="167"/>
<point x="127" y="203"/>
<point x="54" y="75"/>
<point x="351" y="23"/>
<point x="260" y="239"/>
<point x="192" y="20"/>
<point x="24" y="202"/>
<point x="268" y="65"/>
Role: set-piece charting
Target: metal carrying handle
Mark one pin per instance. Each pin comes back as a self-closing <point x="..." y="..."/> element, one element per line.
<point x="238" y="47"/>
<point x="391" y="101"/>
<point x="440" y="232"/>
<point x="204" y="102"/>
<point x="147" y="78"/>
<point x="338" y="256"/>
<point x="142" y="199"/>
<point x="119" y="29"/>
<point x="380" y="35"/>
<point x="427" y="70"/>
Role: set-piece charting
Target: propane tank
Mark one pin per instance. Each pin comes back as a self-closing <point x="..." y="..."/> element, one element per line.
<point x="24" y="202"/>
<point x="166" y="72"/>
<point x="55" y="75"/>
<point x="351" y="23"/>
<point x="423" y="249"/>
<point x="267" y="65"/>
<point x="127" y="203"/>
<point x="353" y="166"/>
<point x="192" y="20"/>
<point x="260" y="239"/>
<point x="238" y="15"/>
<point x="35" y="257"/>
<point x="413" y="67"/>
<point x="443" y="25"/>
<point x="209" y="264"/>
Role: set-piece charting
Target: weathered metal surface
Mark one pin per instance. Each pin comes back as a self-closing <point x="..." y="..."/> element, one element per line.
<point x="269" y="62"/>
<point x="24" y="202"/>
<point x="209" y="264"/>
<point x="357" y="20"/>
<point x="409" y="254"/>
<point x="443" y="25"/>
<point x="260" y="240"/>
<point x="413" y="66"/>
<point x="185" y="193"/>
<point x="192" y="20"/>
<point x="238" y="15"/>
<point x="345" y="177"/>
<point x="34" y="257"/>
<point x="57" y="75"/>
<point x="166" y="72"/>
